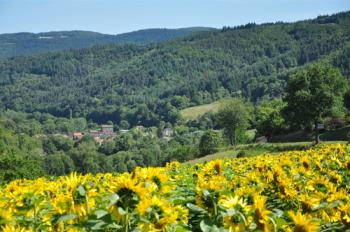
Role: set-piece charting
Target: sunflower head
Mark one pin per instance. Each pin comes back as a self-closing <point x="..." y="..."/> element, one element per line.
<point x="237" y="209"/>
<point x="348" y="164"/>
<point x="303" y="223"/>
<point x="128" y="191"/>
<point x="306" y="163"/>
<point x="157" y="214"/>
<point x="345" y="214"/>
<point x="261" y="214"/>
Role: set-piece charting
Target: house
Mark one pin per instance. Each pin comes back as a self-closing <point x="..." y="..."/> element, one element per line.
<point x="107" y="130"/>
<point x="140" y="127"/>
<point x="124" y="131"/>
<point x="95" y="133"/>
<point x="167" y="132"/>
<point x="78" y="135"/>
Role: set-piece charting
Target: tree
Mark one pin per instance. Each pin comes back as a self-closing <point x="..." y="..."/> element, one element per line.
<point x="86" y="159"/>
<point x="107" y="147"/>
<point x="269" y="119"/>
<point x="18" y="166"/>
<point x="233" y="116"/>
<point x="58" y="164"/>
<point x="312" y="93"/>
<point x="209" y="142"/>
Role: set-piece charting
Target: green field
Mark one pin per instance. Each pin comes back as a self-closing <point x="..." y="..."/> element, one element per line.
<point x="195" y="112"/>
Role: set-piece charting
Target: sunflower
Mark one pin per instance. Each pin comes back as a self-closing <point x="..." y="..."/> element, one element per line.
<point x="62" y="203"/>
<point x="303" y="223"/>
<point x="287" y="190"/>
<point x="173" y="166"/>
<point x="348" y="164"/>
<point x="213" y="167"/>
<point x="320" y="184"/>
<point x="5" y="216"/>
<point x="278" y="174"/>
<point x="212" y="185"/>
<point x="345" y="213"/>
<point x="129" y="192"/>
<point x="306" y="162"/>
<point x="230" y="202"/>
<point x="261" y="214"/>
<point x="12" y="228"/>
<point x="181" y="214"/>
<point x="309" y="203"/>
<point x="156" y="179"/>
<point x="157" y="214"/>
<point x="72" y="181"/>
<point x="237" y="208"/>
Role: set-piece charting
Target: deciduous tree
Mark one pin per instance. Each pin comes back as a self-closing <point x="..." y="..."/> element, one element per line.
<point x="313" y="93"/>
<point x="233" y="115"/>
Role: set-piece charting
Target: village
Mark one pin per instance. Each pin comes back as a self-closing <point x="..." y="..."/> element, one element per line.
<point x="107" y="133"/>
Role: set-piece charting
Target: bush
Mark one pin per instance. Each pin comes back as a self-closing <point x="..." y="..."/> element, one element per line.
<point x="209" y="142"/>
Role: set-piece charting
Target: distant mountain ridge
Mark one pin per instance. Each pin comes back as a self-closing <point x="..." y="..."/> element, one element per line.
<point x="25" y="43"/>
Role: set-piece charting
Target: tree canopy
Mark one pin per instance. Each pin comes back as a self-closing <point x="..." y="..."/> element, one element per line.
<point x="233" y="116"/>
<point x="313" y="93"/>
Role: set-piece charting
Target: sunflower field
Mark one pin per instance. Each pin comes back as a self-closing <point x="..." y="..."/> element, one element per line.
<point x="293" y="191"/>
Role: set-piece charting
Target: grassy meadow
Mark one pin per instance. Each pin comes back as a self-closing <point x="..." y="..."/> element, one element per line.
<point x="192" y="113"/>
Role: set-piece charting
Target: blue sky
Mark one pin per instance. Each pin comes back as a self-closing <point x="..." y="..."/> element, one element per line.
<point x="117" y="16"/>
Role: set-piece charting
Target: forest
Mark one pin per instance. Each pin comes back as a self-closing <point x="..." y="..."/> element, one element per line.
<point x="25" y="43"/>
<point x="150" y="83"/>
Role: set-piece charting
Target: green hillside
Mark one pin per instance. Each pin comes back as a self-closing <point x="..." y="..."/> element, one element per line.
<point x="192" y="113"/>
<point x="17" y="44"/>
<point x="148" y="84"/>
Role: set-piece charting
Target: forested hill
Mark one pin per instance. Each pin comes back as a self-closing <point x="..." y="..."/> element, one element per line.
<point x="30" y="43"/>
<point x="146" y="84"/>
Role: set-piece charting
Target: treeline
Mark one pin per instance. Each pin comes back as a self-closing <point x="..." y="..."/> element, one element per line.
<point x="24" y="43"/>
<point x="148" y="84"/>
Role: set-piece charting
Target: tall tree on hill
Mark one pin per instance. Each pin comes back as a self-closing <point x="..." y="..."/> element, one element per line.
<point x="233" y="117"/>
<point x="313" y="93"/>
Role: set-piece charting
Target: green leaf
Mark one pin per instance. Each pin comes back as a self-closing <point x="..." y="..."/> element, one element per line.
<point x="121" y="211"/>
<point x="98" y="226"/>
<point x="278" y="212"/>
<point x="208" y="228"/>
<point x="100" y="213"/>
<point x="280" y="222"/>
<point x="81" y="190"/>
<point x="231" y="212"/>
<point x="195" y="208"/>
<point x="206" y="193"/>
<point x="67" y="217"/>
<point x="113" y="199"/>
<point x="113" y="226"/>
<point x="205" y="227"/>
